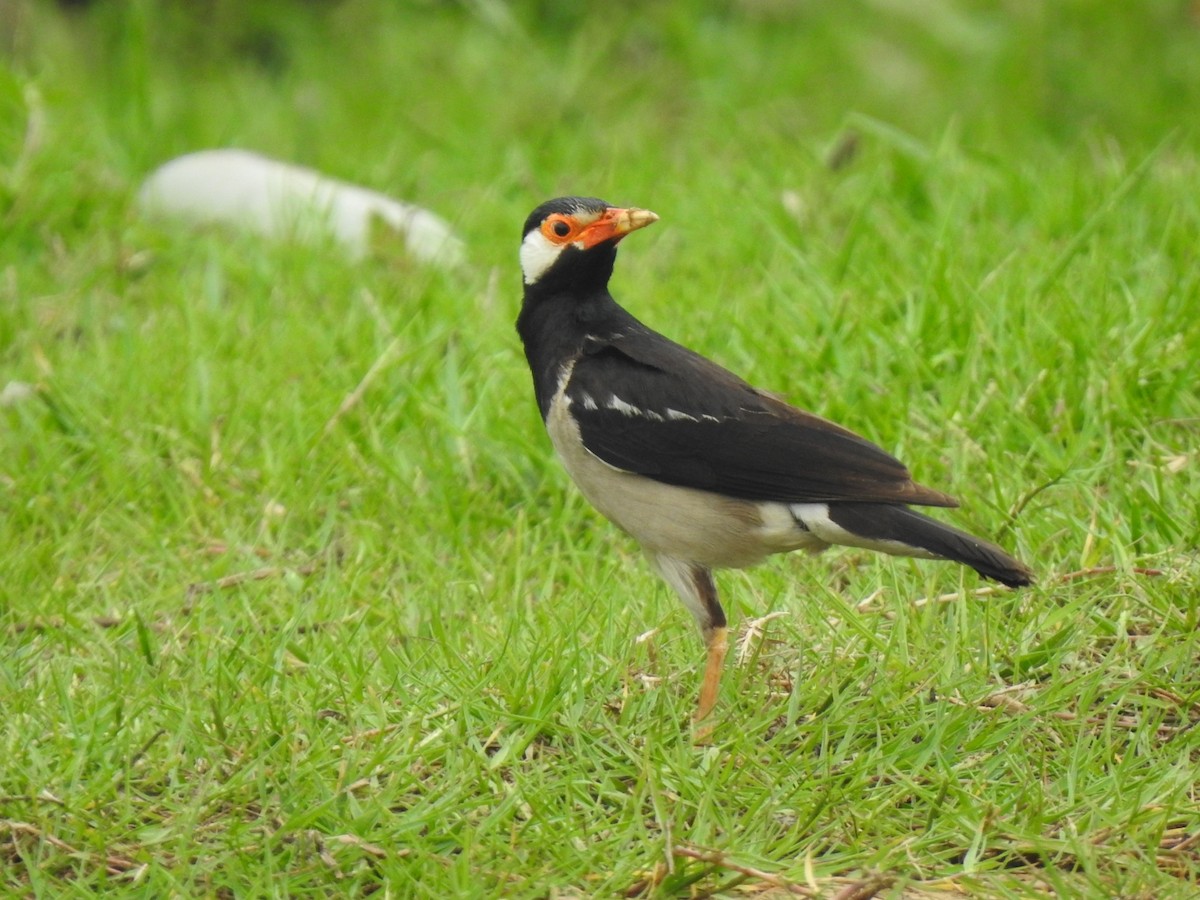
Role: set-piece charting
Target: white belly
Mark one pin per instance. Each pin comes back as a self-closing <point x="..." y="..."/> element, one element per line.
<point x="682" y="523"/>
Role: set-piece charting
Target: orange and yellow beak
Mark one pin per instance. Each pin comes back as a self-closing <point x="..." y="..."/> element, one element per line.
<point x="614" y="223"/>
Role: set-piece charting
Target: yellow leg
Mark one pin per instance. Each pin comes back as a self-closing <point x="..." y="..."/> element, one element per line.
<point x="717" y="647"/>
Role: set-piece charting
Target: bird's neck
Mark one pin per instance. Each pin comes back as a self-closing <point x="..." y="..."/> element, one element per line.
<point x="554" y="326"/>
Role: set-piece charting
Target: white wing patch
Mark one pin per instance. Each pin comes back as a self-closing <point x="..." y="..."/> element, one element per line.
<point x="628" y="409"/>
<point x="675" y="415"/>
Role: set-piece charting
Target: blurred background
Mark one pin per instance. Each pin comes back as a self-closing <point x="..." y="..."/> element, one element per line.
<point x="482" y="102"/>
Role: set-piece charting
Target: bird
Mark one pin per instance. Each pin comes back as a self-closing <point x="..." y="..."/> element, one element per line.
<point x="701" y="469"/>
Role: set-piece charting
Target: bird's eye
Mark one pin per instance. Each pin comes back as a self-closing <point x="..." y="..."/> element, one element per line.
<point x="561" y="228"/>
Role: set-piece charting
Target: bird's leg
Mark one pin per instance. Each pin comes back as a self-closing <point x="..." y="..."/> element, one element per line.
<point x="695" y="587"/>
<point x="711" y="619"/>
<point x="717" y="646"/>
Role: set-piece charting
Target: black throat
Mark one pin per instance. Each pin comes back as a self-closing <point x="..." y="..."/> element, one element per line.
<point x="569" y="304"/>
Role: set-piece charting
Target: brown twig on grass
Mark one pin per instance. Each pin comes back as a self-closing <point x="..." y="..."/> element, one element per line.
<point x="114" y="865"/>
<point x="866" y="604"/>
<point x="716" y="858"/>
<point x="865" y="889"/>
<point x="1001" y="702"/>
<point x="56" y="622"/>
<point x="369" y="733"/>
<point x="220" y="548"/>
<point x="1186" y="843"/>
<point x="755" y="630"/>
<point x="220" y="584"/>
<point x="1109" y="570"/>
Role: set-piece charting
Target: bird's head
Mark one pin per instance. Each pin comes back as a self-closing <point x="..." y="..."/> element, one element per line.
<point x="575" y="238"/>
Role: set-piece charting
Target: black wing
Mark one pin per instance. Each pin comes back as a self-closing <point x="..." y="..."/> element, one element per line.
<point x="645" y="404"/>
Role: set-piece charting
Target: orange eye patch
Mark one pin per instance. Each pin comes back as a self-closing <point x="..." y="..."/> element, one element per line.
<point x="559" y="228"/>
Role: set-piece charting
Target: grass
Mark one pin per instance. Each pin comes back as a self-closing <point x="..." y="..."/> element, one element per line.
<point x="257" y="648"/>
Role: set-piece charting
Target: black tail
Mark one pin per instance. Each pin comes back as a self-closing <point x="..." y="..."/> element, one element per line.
<point x="876" y="521"/>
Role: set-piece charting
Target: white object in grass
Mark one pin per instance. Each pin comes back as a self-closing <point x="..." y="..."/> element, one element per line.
<point x="277" y="199"/>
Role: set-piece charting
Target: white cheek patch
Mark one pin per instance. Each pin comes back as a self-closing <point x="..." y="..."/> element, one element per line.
<point x="537" y="255"/>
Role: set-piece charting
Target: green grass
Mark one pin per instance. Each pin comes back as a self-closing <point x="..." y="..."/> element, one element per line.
<point x="254" y="648"/>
